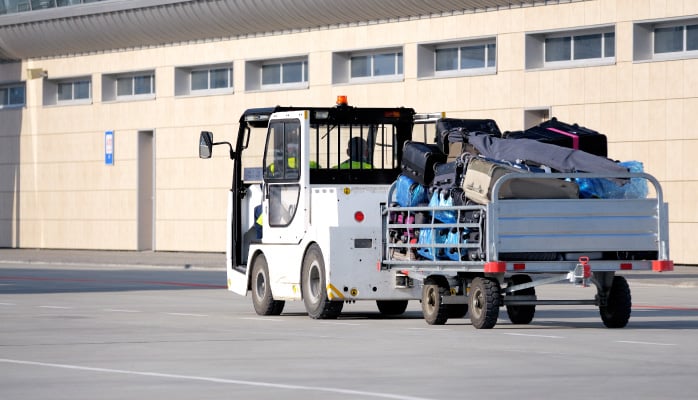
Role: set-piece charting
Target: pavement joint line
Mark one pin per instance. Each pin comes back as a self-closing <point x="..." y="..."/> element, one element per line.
<point x="268" y="385"/>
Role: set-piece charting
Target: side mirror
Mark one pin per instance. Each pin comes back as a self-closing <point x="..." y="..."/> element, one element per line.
<point x="205" y="144"/>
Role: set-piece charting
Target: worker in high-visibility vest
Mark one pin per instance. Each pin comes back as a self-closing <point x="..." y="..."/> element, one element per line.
<point x="357" y="150"/>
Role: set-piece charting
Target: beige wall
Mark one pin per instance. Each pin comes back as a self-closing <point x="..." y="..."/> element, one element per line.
<point x="69" y="199"/>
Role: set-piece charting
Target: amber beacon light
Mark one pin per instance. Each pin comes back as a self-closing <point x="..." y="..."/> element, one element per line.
<point x="342" y="101"/>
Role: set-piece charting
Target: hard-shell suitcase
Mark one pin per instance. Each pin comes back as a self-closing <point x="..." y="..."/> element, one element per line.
<point x="482" y="174"/>
<point x="418" y="160"/>
<point x="565" y="135"/>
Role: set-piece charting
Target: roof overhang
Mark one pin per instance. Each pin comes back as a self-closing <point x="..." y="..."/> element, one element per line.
<point x="121" y="24"/>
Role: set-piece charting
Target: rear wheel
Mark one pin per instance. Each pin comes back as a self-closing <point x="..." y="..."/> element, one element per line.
<point x="314" y="287"/>
<point x="262" y="299"/>
<point x="616" y="312"/>
<point x="434" y="310"/>
<point x="521" y="315"/>
<point x="484" y="302"/>
<point x="391" y="307"/>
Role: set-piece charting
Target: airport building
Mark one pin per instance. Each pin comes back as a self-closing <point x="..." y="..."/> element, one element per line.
<point x="102" y="102"/>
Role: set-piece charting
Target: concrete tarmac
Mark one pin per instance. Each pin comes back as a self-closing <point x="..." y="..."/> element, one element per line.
<point x="683" y="275"/>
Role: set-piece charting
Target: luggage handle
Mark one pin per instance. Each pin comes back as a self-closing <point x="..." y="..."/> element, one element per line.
<point x="575" y="138"/>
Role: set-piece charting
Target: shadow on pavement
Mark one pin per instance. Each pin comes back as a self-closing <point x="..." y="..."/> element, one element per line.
<point x="34" y="281"/>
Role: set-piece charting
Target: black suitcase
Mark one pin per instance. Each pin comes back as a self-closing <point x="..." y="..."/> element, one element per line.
<point x="448" y="175"/>
<point x="418" y="160"/>
<point x="565" y="135"/>
<point x="445" y="125"/>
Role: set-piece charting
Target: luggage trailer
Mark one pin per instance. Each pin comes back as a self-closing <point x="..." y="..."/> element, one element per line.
<point x="504" y="244"/>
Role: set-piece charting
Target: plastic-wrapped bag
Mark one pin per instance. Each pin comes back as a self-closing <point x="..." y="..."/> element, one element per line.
<point x="431" y="236"/>
<point x="442" y="198"/>
<point x="456" y="237"/>
<point x="603" y="188"/>
<point x="409" y="193"/>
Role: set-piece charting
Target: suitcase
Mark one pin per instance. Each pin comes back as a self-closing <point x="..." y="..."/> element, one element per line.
<point x="565" y="135"/>
<point x="418" y="160"/>
<point x="445" y="126"/>
<point x="481" y="175"/>
<point x="447" y="175"/>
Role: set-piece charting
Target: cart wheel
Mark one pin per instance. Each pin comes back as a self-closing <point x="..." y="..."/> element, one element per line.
<point x="484" y="302"/>
<point x="616" y="313"/>
<point x="313" y="287"/>
<point x="262" y="299"/>
<point x="391" y="307"/>
<point x="521" y="315"/>
<point x="434" y="310"/>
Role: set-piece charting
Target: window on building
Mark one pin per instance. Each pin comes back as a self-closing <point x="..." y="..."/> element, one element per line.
<point x="211" y="79"/>
<point x="365" y="66"/>
<point x="675" y="39"/>
<point x="12" y="96"/>
<point x="665" y="40"/>
<point x="67" y="91"/>
<point x="579" y="47"/>
<point x="375" y="65"/>
<point x="284" y="73"/>
<point x="72" y="91"/>
<point x="467" y="57"/>
<point x="204" y="80"/>
<point x="278" y="74"/>
<point x="131" y="86"/>
<point x="571" y="48"/>
<point x="460" y="58"/>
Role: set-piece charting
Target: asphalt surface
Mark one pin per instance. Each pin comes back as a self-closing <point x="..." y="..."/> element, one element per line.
<point x="682" y="276"/>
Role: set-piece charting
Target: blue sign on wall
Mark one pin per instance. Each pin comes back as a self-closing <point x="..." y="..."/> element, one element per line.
<point x="109" y="147"/>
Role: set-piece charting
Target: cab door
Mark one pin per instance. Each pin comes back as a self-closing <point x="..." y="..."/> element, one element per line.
<point x="286" y="178"/>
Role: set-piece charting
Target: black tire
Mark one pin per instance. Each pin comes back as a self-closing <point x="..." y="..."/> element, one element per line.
<point x="616" y="313"/>
<point x="484" y="301"/>
<point x="456" y="311"/>
<point x="262" y="298"/>
<point x="314" y="287"/>
<point x="434" y="310"/>
<point x="521" y="315"/>
<point x="391" y="307"/>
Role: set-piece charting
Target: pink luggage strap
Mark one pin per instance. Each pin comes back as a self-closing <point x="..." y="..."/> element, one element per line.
<point x="575" y="138"/>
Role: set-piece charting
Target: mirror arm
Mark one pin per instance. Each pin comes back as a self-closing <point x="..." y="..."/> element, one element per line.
<point x="230" y="146"/>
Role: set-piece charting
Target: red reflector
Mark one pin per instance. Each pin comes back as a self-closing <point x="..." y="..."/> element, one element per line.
<point x="519" y="267"/>
<point x="495" y="267"/>
<point x="359" y="216"/>
<point x="662" y="265"/>
<point x="626" y="266"/>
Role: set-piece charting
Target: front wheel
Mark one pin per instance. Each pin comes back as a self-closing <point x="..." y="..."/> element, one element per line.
<point x="262" y="299"/>
<point x="484" y="302"/>
<point x="616" y="312"/>
<point x="314" y="287"/>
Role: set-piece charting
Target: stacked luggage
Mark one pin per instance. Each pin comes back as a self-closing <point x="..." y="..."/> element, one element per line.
<point x="469" y="158"/>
